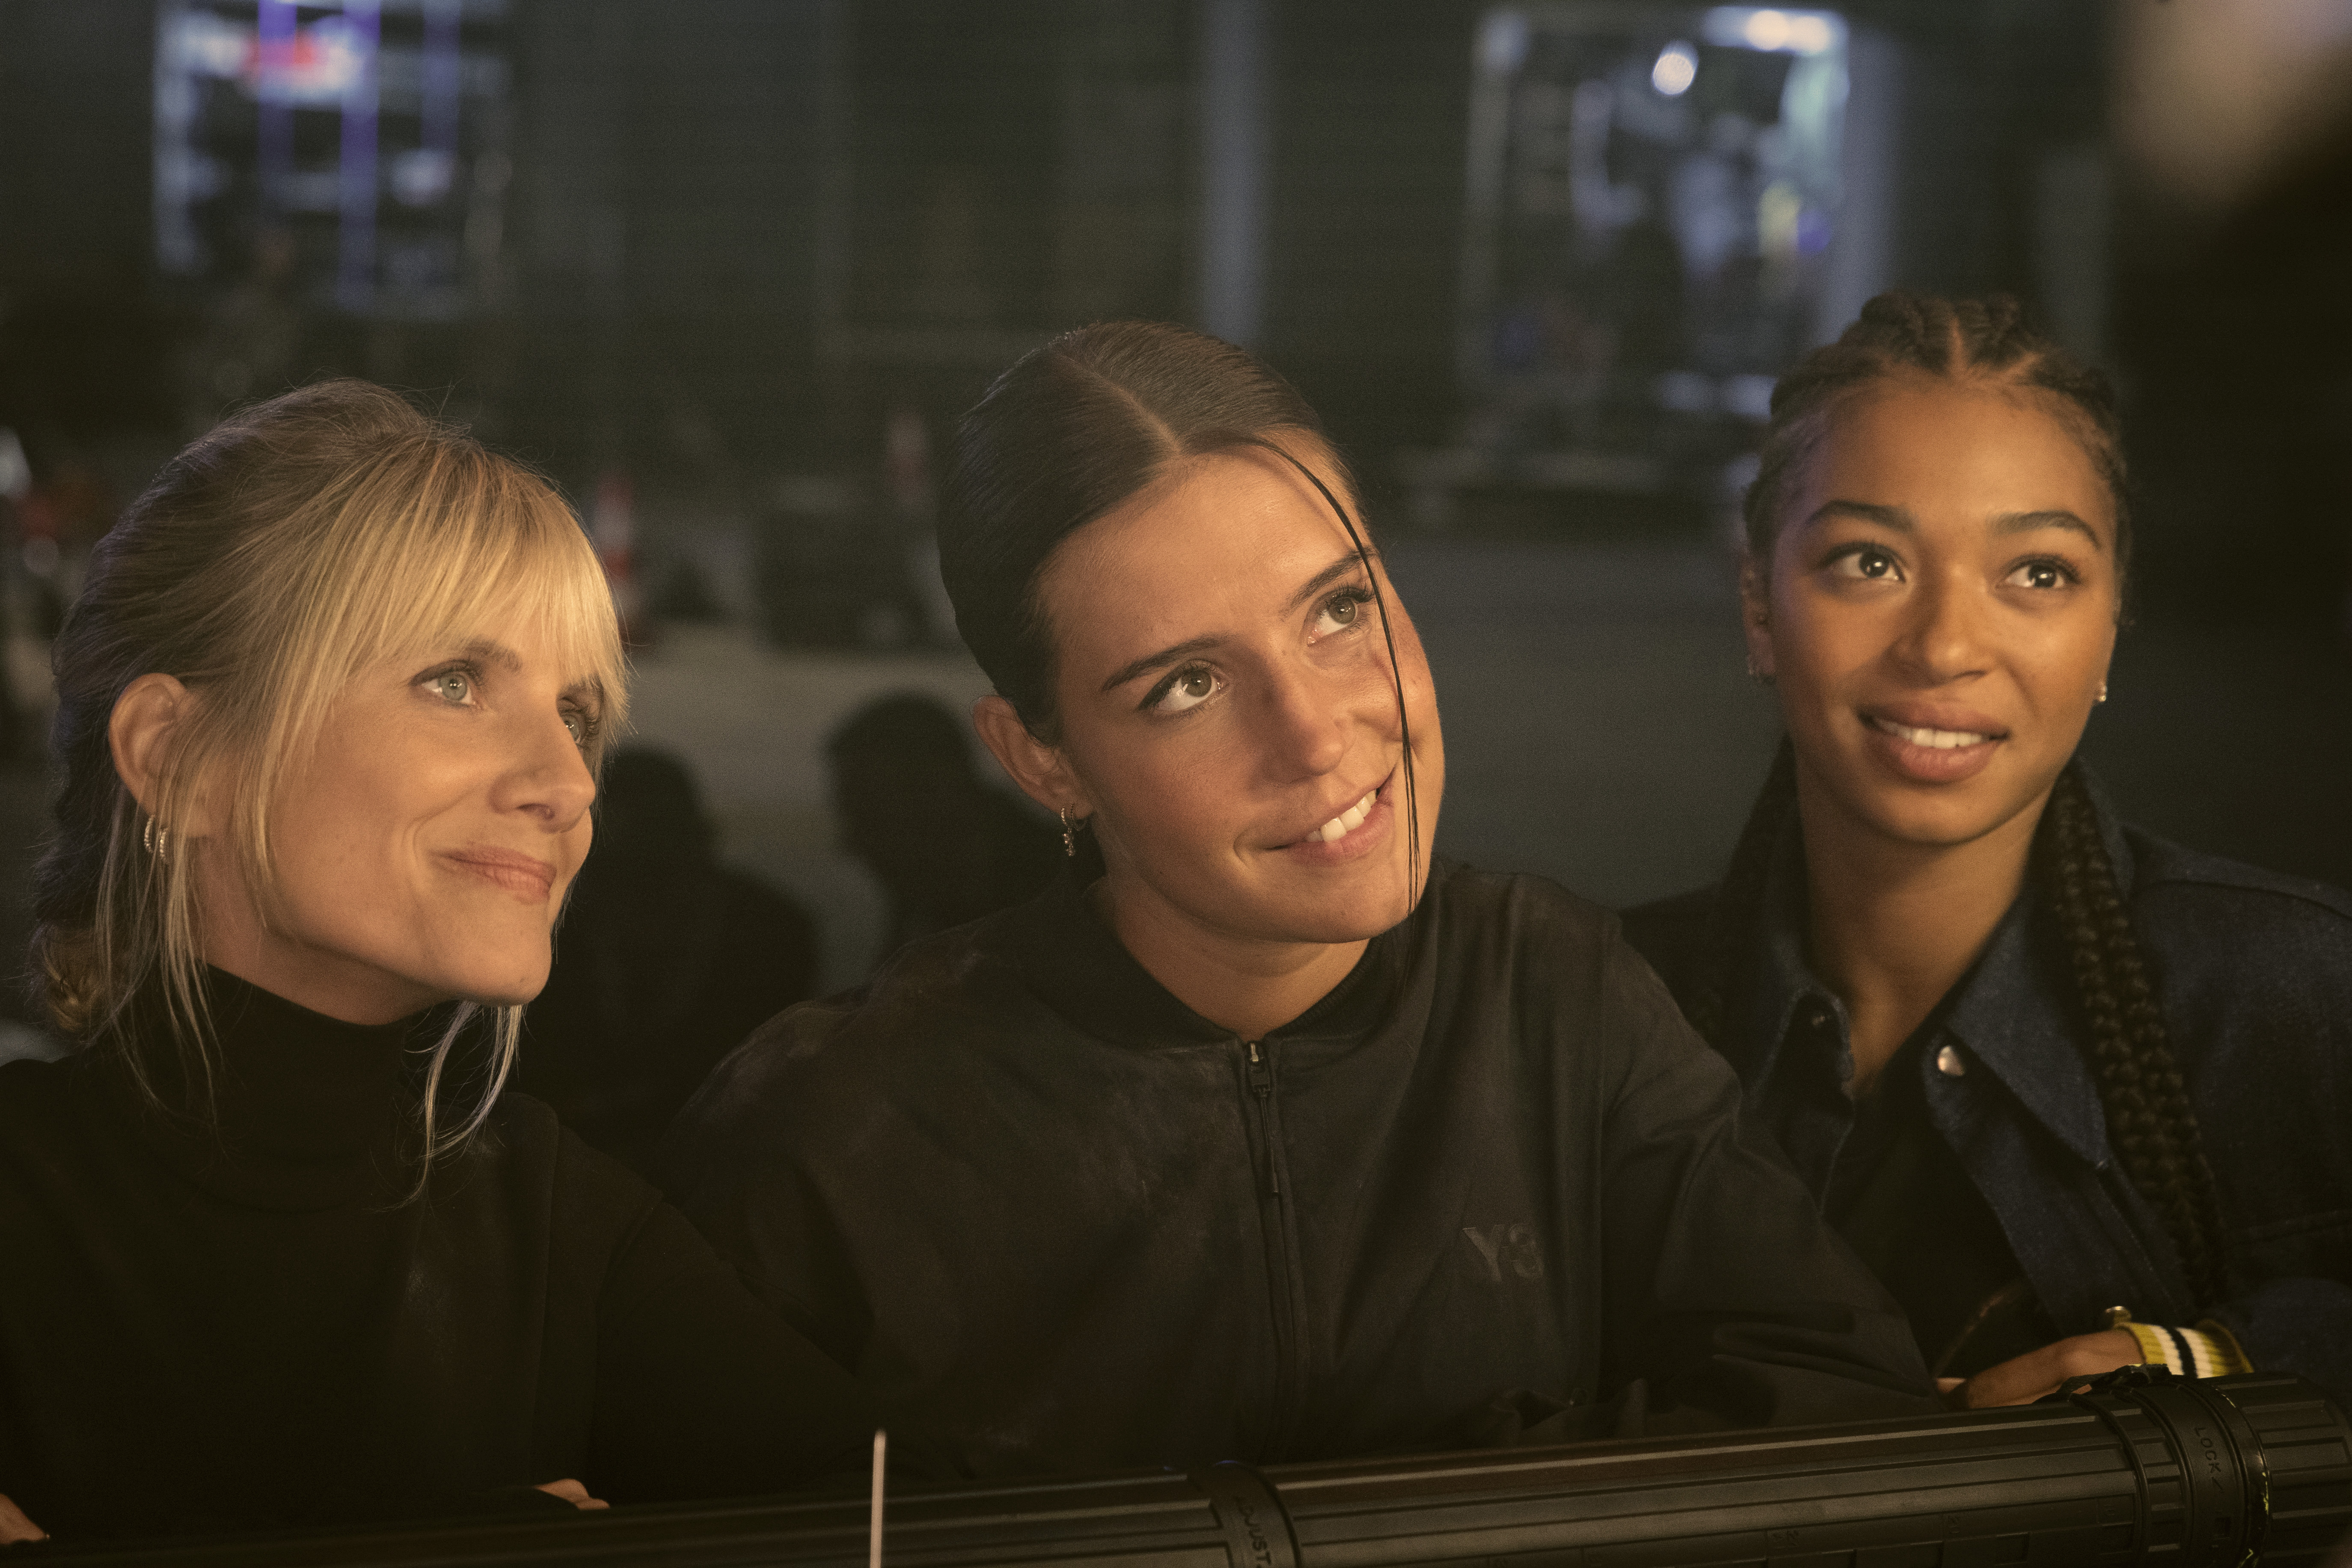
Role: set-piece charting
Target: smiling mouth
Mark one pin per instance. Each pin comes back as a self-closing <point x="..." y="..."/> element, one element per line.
<point x="1933" y="740"/>
<point x="532" y="880"/>
<point x="1347" y="821"/>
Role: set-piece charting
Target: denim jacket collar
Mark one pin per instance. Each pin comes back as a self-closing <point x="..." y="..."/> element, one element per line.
<point x="2006" y="1018"/>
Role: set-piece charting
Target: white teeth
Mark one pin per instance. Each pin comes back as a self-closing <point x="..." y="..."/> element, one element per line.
<point x="1935" y="740"/>
<point x="1347" y="821"/>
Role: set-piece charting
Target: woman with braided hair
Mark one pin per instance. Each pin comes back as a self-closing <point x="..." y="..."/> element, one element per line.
<point x="2075" y="1093"/>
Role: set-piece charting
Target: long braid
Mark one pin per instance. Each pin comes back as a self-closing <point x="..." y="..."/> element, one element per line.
<point x="2150" y="1121"/>
<point x="1739" y="902"/>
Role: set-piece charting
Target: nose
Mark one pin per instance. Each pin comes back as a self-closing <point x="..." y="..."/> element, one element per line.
<point x="1941" y="639"/>
<point x="546" y="776"/>
<point x="1305" y="723"/>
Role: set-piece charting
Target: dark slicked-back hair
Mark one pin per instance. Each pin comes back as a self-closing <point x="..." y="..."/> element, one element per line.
<point x="1068" y="433"/>
<point x="1073" y="430"/>
<point x="2086" y="923"/>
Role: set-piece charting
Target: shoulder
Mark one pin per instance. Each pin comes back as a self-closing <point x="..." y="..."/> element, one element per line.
<point x="38" y="1127"/>
<point x="2171" y="878"/>
<point x="530" y="1149"/>
<point x="27" y="1086"/>
<point x="913" y="1020"/>
<point x="1518" y="910"/>
<point x="1671" y="933"/>
<point x="592" y="1201"/>
<point x="2223" y="923"/>
<point x="1563" y="952"/>
<point x="42" y="1102"/>
<point x="2254" y="967"/>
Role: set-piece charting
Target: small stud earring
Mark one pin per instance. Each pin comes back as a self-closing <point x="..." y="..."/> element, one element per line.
<point x="2102" y="697"/>
<point x="1070" y="833"/>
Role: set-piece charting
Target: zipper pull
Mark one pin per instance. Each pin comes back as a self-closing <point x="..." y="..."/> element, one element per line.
<point x="1261" y="1082"/>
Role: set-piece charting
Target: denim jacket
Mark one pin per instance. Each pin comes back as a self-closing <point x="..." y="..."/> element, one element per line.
<point x="2254" y="972"/>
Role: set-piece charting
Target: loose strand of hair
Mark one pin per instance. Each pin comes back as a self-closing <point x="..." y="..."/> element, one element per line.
<point x="1413" y="888"/>
<point x="506" y="1037"/>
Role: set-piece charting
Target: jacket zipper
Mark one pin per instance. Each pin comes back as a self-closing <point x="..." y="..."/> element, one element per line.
<point x="1261" y="1082"/>
<point x="1284" y="1284"/>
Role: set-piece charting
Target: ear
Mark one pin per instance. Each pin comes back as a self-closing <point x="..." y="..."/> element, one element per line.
<point x="1755" y="615"/>
<point x="141" y="733"/>
<point x="1041" y="770"/>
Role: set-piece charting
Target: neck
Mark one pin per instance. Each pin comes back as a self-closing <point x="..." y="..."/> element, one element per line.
<point x="1891" y="926"/>
<point x="1248" y="985"/>
<point x="239" y="941"/>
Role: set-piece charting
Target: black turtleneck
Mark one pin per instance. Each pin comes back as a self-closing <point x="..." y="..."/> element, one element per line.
<point x="1490" y="1188"/>
<point x="238" y="1321"/>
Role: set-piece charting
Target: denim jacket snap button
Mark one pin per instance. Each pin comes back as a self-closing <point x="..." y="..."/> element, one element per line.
<point x="1950" y="1062"/>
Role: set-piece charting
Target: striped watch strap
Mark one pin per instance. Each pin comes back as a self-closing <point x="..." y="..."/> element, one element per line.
<point x="2208" y="1350"/>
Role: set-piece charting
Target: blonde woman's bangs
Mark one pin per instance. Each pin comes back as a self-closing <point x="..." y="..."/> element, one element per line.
<point x="413" y="563"/>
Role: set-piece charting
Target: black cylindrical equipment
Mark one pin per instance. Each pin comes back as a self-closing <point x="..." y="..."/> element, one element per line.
<point x="2142" y="1469"/>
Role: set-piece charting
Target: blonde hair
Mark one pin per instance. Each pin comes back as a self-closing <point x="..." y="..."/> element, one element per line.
<point x="299" y="543"/>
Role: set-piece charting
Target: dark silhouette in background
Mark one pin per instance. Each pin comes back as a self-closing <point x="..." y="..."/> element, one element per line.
<point x="666" y="960"/>
<point x="946" y="845"/>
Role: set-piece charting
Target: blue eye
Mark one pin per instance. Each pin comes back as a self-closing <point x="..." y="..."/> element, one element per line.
<point x="454" y="687"/>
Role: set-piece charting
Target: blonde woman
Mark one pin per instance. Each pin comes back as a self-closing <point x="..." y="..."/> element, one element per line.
<point x="276" y="1252"/>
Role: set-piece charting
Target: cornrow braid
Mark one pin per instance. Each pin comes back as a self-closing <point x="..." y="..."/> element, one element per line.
<point x="1739" y="902"/>
<point x="2150" y="1122"/>
<point x="1985" y="339"/>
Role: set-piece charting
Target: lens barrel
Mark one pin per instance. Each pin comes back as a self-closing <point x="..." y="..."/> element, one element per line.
<point x="2142" y="1468"/>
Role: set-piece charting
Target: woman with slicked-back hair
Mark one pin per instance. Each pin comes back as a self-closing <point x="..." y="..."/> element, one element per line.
<point x="2078" y="1095"/>
<point x="1260" y="1134"/>
<point x="273" y="1249"/>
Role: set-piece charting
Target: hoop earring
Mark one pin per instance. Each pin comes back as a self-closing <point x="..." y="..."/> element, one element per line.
<point x="156" y="839"/>
<point x="1070" y="833"/>
<point x="2102" y="697"/>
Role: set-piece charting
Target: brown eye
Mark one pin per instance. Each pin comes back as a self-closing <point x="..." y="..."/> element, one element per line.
<point x="1340" y="612"/>
<point x="1187" y="688"/>
<point x="1868" y="563"/>
<point x="2042" y="574"/>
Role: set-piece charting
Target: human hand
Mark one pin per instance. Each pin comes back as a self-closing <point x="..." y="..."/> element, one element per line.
<point x="14" y="1527"/>
<point x="573" y="1492"/>
<point x="2039" y="1373"/>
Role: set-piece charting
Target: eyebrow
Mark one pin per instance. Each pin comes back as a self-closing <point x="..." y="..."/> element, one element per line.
<point x="1328" y="575"/>
<point x="1899" y="519"/>
<point x="493" y="652"/>
<point x="2027" y="521"/>
<point x="1176" y="653"/>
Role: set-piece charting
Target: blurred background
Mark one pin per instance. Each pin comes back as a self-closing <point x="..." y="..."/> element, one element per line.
<point x="729" y="270"/>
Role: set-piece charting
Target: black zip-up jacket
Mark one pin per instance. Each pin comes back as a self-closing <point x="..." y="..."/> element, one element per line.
<point x="1491" y="1188"/>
